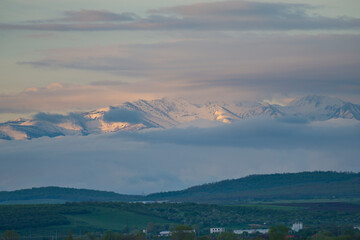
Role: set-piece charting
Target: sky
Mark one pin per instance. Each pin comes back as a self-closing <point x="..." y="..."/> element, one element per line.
<point x="65" y="56"/>
<point x="76" y="55"/>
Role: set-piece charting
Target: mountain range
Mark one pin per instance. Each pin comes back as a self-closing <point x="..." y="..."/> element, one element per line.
<point x="168" y="113"/>
<point x="270" y="187"/>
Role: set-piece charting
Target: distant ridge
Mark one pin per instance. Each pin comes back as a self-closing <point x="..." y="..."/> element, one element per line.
<point x="285" y="186"/>
<point x="61" y="194"/>
<point x="270" y="187"/>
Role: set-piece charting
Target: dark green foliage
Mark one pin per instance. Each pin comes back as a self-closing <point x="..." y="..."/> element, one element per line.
<point x="69" y="236"/>
<point x="163" y="215"/>
<point x="35" y="216"/>
<point x="203" y="238"/>
<point x="259" y="238"/>
<point x="109" y="235"/>
<point x="64" y="194"/>
<point x="278" y="232"/>
<point x="227" y="236"/>
<point x="183" y="232"/>
<point x="90" y="236"/>
<point x="11" y="235"/>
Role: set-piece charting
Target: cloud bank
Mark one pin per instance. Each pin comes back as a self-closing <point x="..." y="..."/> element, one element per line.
<point x="226" y="15"/>
<point x="283" y="133"/>
<point x="177" y="158"/>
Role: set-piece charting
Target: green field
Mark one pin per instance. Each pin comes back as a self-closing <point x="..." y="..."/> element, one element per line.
<point x="133" y="217"/>
<point x="113" y="219"/>
<point x="269" y="206"/>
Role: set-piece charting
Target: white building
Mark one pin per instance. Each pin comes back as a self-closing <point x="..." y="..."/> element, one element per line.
<point x="169" y="233"/>
<point x="165" y="233"/>
<point x="217" y="230"/>
<point x="251" y="231"/>
<point x="297" y="226"/>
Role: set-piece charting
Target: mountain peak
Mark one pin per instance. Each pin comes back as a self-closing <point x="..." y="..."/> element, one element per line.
<point x="172" y="112"/>
<point x="317" y="100"/>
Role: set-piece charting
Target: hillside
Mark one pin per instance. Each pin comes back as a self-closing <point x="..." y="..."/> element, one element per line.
<point x="61" y="195"/>
<point x="288" y="186"/>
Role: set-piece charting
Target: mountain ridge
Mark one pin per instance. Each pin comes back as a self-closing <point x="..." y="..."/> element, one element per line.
<point x="168" y="113"/>
<point x="259" y="187"/>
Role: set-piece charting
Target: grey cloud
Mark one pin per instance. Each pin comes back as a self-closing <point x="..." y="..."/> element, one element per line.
<point x="281" y="63"/>
<point x="96" y="15"/>
<point x="228" y="15"/>
<point x="238" y="8"/>
<point x="119" y="65"/>
<point x="331" y="79"/>
<point x="76" y="118"/>
<point x="90" y="16"/>
<point x="108" y="83"/>
<point x="47" y="117"/>
<point x="177" y="158"/>
<point x="258" y="134"/>
<point x="295" y="120"/>
<point x="123" y="115"/>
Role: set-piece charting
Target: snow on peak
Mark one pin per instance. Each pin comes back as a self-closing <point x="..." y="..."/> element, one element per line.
<point x="316" y="101"/>
<point x="322" y="108"/>
<point x="168" y="112"/>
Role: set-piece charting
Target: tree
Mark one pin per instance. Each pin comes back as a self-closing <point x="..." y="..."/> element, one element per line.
<point x="278" y="232"/>
<point x="11" y="235"/>
<point x="109" y="235"/>
<point x="90" y="236"/>
<point x="183" y="232"/>
<point x="259" y="238"/>
<point x="150" y="228"/>
<point x="227" y="236"/>
<point x="69" y="236"/>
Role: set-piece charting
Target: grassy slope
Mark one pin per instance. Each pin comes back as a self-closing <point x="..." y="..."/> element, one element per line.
<point x="291" y="186"/>
<point x="113" y="219"/>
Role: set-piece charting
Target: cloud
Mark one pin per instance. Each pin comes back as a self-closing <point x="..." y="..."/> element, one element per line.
<point x="247" y="67"/>
<point x="70" y="97"/>
<point x="284" y="64"/>
<point x="226" y="15"/>
<point x="259" y="134"/>
<point x="123" y="115"/>
<point x="178" y="158"/>
<point x="47" y="117"/>
<point x="124" y="66"/>
<point x="239" y="8"/>
<point x="76" y="118"/>
<point x="96" y="16"/>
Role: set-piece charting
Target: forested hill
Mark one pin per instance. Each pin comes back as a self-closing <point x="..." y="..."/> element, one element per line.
<point x="59" y="194"/>
<point x="287" y="186"/>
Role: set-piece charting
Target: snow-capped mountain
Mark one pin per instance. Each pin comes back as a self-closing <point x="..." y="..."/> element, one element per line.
<point x="322" y="108"/>
<point x="167" y="113"/>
